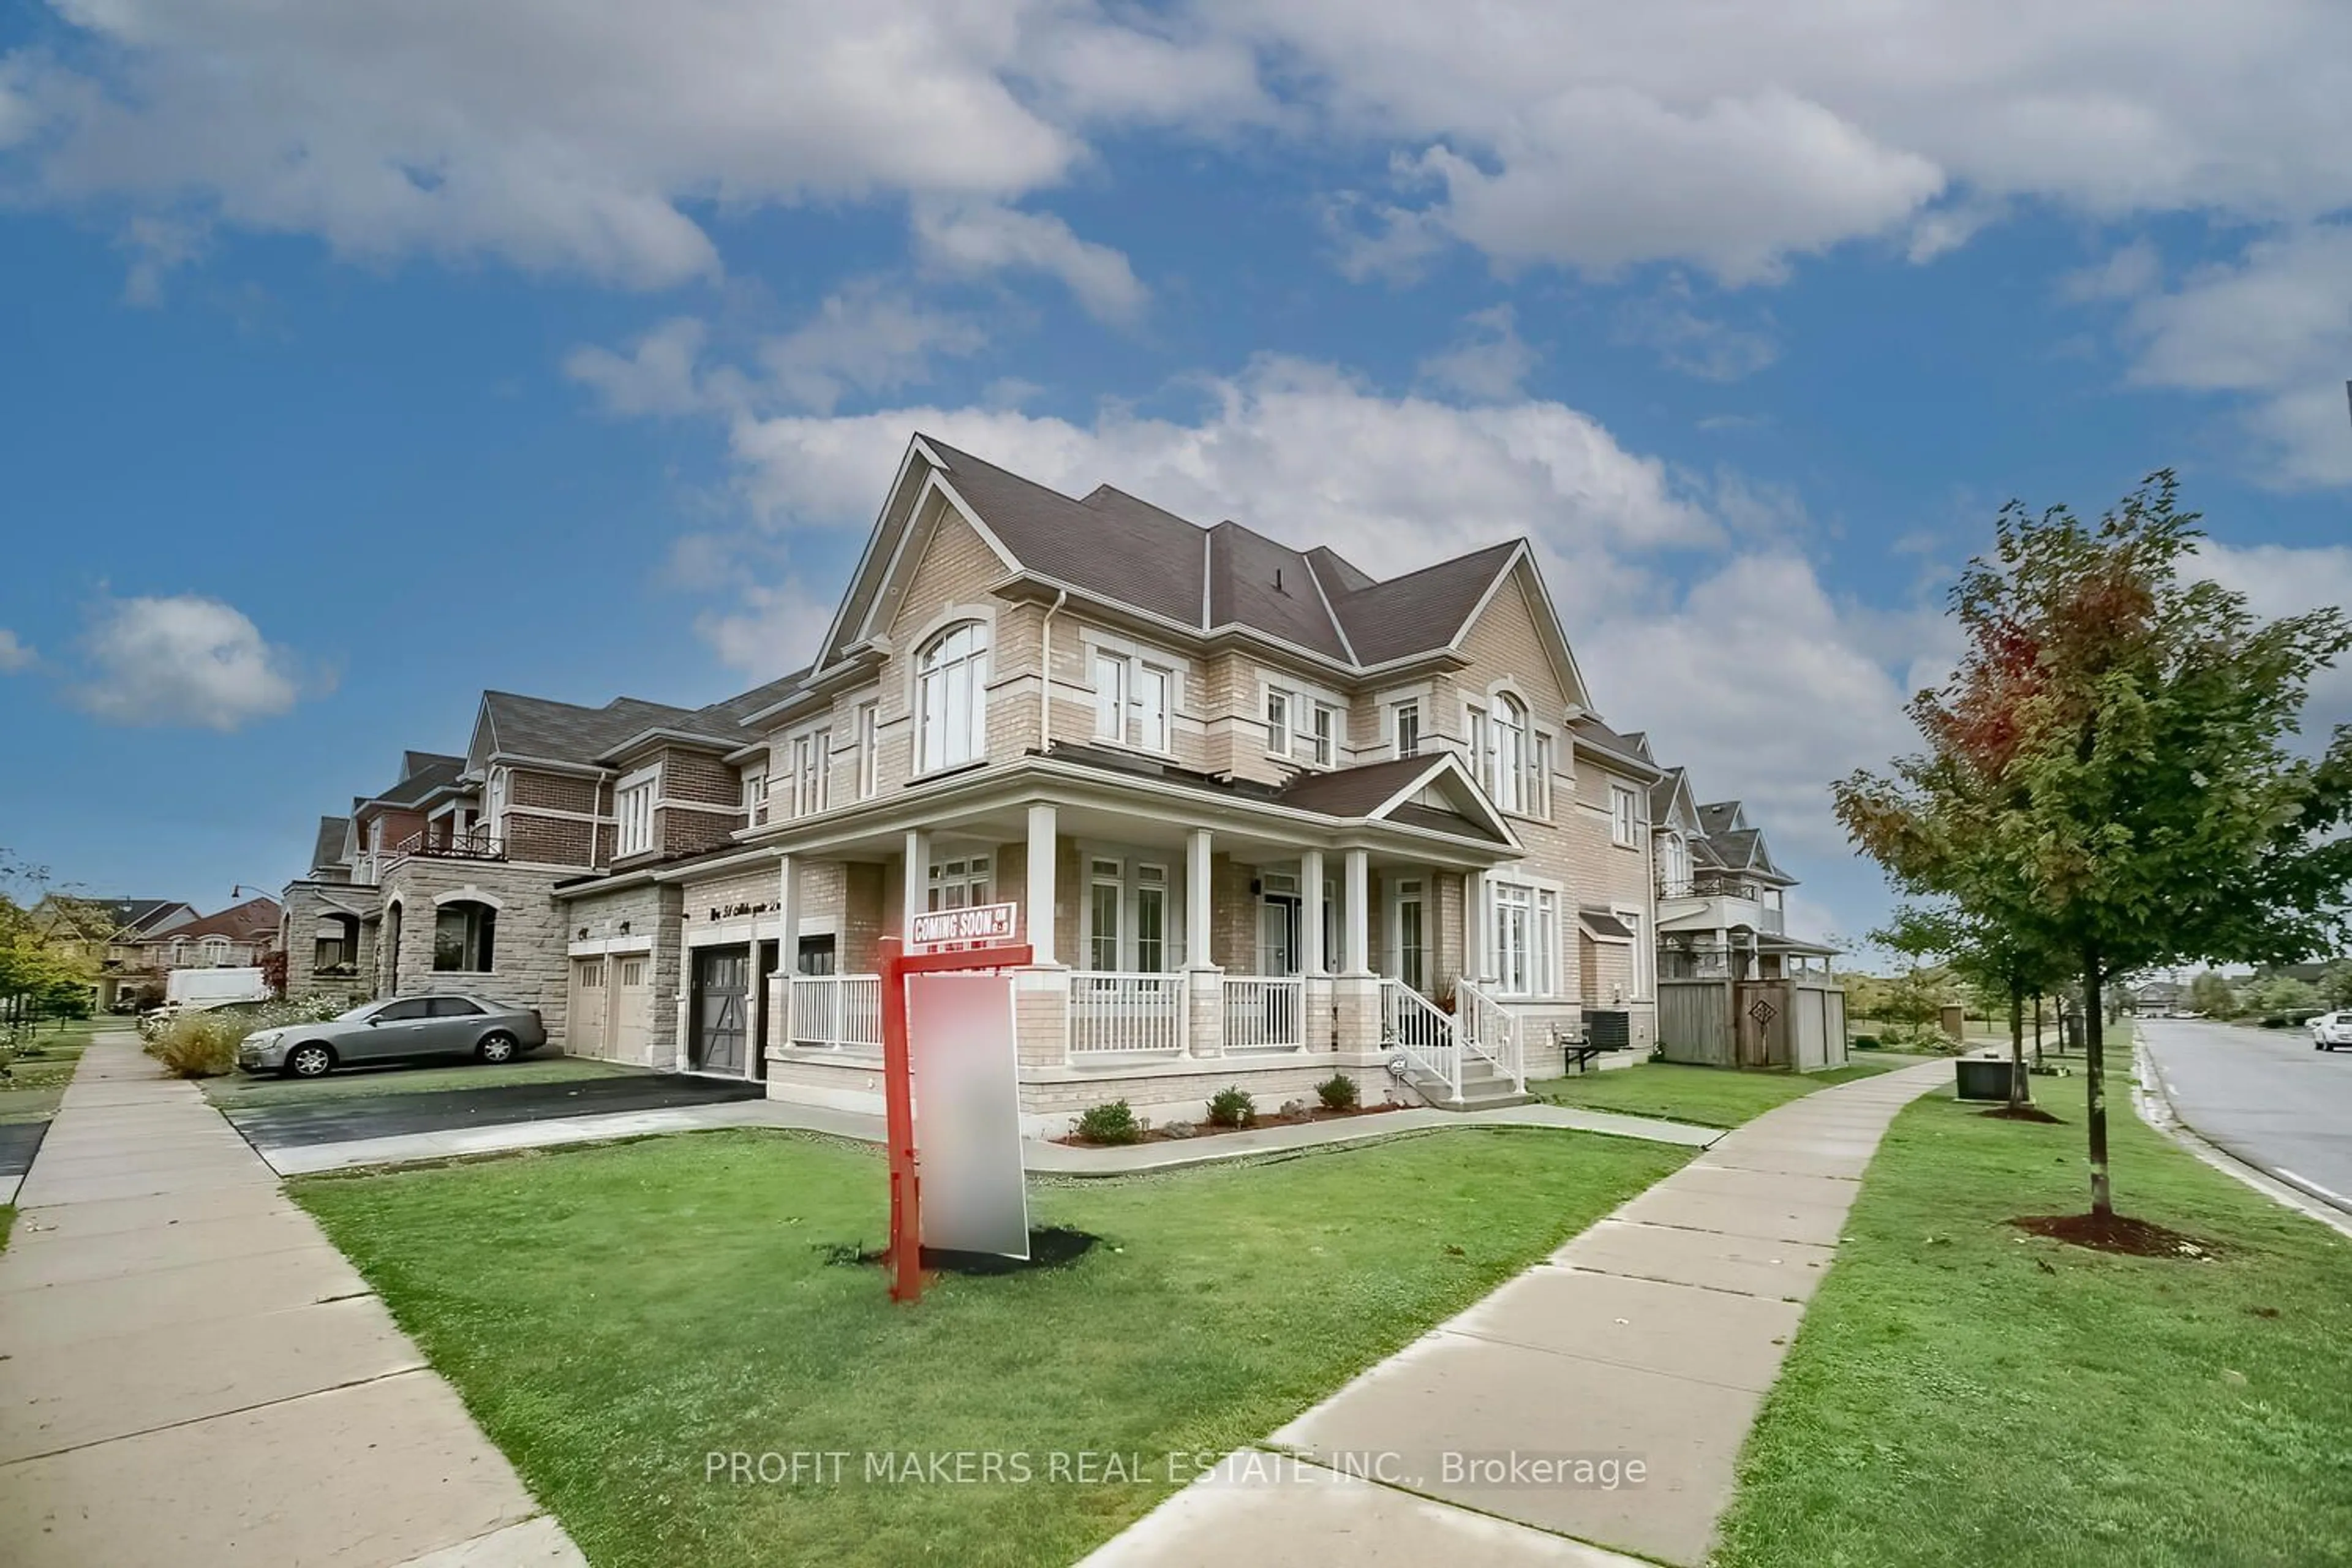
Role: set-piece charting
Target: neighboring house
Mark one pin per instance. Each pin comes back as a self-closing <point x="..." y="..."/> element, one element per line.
<point x="113" y="933"/>
<point x="1266" y="816"/>
<point x="330" y="918"/>
<point x="1722" y="929"/>
<point x="241" y="936"/>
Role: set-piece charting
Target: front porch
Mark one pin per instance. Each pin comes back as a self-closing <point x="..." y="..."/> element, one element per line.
<point x="1172" y="961"/>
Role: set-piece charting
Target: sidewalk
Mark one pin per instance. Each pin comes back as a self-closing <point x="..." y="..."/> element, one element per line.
<point x="193" y="1375"/>
<point x="1038" y="1154"/>
<point x="1650" y="1337"/>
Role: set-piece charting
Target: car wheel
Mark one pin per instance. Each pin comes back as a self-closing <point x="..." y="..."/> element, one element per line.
<point x="498" y="1046"/>
<point x="311" y="1060"/>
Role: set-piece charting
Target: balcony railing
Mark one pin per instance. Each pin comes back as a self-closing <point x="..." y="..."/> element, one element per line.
<point x="1123" y="1014"/>
<point x="839" y="1012"/>
<point x="1264" y="1013"/>
<point x="476" y="844"/>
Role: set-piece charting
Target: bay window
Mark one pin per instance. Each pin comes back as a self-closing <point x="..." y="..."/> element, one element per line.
<point x="951" y="697"/>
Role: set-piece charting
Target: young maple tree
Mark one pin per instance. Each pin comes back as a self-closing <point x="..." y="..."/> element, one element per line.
<point x="2108" y="774"/>
<point x="2001" y="960"/>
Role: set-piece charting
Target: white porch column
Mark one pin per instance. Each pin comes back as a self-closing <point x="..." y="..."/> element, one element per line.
<point x="918" y="889"/>
<point x="1310" y="913"/>
<point x="1197" y="906"/>
<point x="1204" y="982"/>
<point x="1356" y="934"/>
<point x="1040" y="910"/>
<point x="788" y="943"/>
<point x="1473" y="925"/>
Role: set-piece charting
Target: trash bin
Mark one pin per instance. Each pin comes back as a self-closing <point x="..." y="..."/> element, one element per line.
<point x="1983" y="1079"/>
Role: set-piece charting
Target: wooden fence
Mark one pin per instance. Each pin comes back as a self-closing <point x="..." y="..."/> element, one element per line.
<point x="1796" y="1024"/>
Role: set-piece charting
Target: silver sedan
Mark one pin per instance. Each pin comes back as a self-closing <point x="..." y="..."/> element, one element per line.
<point x="405" y="1028"/>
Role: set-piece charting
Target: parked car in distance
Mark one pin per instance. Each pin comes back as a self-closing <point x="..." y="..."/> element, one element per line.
<point x="2329" y="1030"/>
<point x="405" y="1029"/>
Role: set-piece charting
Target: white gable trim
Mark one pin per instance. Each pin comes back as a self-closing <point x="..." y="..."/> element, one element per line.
<point x="1442" y="764"/>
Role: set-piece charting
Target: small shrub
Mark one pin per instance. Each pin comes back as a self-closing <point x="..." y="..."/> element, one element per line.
<point x="1232" y="1108"/>
<point x="1867" y="1043"/>
<point x="1112" y="1124"/>
<point x="199" y="1044"/>
<point x="1336" y="1093"/>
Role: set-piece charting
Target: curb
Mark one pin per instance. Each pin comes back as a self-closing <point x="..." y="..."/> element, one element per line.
<point x="2156" y="1107"/>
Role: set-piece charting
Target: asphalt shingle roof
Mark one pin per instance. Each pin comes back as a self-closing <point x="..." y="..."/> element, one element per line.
<point x="425" y="773"/>
<point x="329" y="849"/>
<point x="566" y="733"/>
<point x="1353" y="792"/>
<point x="248" y="922"/>
<point x="1123" y="548"/>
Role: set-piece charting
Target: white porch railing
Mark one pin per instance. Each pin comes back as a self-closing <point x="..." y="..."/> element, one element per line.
<point x="1126" y="1014"/>
<point x="1423" y="1033"/>
<point x="1264" y="1013"/>
<point x="838" y="1012"/>
<point x="1491" y="1030"/>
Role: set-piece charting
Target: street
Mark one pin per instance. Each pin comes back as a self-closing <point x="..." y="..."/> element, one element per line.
<point x="2264" y="1095"/>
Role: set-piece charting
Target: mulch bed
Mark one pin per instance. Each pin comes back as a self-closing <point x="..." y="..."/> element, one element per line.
<point x="1052" y="1247"/>
<point x="2022" y="1114"/>
<point x="2118" y="1233"/>
<point x="1184" y="1130"/>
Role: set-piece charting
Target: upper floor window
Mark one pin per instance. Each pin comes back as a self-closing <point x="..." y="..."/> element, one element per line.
<point x="1673" y="864"/>
<point x="1624" y="815"/>
<point x="1301" y="728"/>
<point x="951" y="697"/>
<point x="465" y="936"/>
<point x="497" y="799"/>
<point x="755" y="794"/>
<point x="1514" y="758"/>
<point x="870" y="749"/>
<point x="1404" y="728"/>
<point x="633" y="804"/>
<point x="1133" y="701"/>
<point x="812" y="791"/>
<point x="213" y="951"/>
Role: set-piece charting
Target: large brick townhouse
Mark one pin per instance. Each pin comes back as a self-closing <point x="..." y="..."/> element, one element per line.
<point x="1267" y="817"/>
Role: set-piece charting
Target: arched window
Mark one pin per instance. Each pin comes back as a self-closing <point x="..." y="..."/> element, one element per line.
<point x="213" y="951"/>
<point x="952" y="697"/>
<point x="464" y="937"/>
<point x="1507" y="781"/>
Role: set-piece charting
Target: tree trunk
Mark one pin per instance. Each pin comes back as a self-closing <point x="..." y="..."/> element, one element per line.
<point x="2021" y="1093"/>
<point x="2037" y="1029"/>
<point x="2094" y="1041"/>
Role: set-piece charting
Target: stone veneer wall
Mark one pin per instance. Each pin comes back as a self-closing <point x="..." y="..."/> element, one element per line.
<point x="648" y="910"/>
<point x="307" y="903"/>
<point x="529" y="963"/>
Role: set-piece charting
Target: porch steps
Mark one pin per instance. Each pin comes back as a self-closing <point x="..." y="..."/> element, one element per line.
<point x="1483" y="1088"/>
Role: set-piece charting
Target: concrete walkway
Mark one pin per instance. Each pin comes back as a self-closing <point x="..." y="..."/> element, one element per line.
<point x="1652" y="1337"/>
<point x="191" y="1374"/>
<point x="1039" y="1154"/>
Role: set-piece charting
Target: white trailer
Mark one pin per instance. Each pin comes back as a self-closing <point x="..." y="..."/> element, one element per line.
<point x="191" y="990"/>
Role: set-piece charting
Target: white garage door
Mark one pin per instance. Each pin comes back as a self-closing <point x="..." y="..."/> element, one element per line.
<point x="591" y="1007"/>
<point x="632" y="997"/>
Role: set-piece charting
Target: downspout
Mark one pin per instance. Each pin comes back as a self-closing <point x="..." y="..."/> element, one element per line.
<point x="1046" y="673"/>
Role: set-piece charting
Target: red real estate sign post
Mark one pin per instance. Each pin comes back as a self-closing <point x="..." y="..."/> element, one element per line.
<point x="982" y="938"/>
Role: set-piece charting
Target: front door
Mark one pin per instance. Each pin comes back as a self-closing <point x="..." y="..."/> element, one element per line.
<point x="722" y="989"/>
<point x="1278" y="934"/>
<point x="1411" y="935"/>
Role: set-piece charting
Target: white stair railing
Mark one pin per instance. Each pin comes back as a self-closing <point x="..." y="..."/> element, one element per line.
<point x="1422" y="1033"/>
<point x="1491" y="1031"/>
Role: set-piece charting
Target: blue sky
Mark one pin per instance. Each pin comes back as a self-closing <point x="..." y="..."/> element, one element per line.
<point x="366" y="358"/>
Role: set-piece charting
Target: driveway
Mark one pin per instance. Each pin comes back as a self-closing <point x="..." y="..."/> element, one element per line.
<point x="395" y="1115"/>
<point x="2264" y="1095"/>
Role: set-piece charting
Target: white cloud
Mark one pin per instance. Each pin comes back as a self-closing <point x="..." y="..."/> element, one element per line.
<point x="658" y="375"/>
<point x="774" y="631"/>
<point x="864" y="340"/>
<point x="1703" y="346"/>
<point x="1595" y="134"/>
<point x="1489" y="361"/>
<point x="2276" y="327"/>
<point x="183" y="660"/>
<point x="2126" y="274"/>
<point x="2286" y="580"/>
<point x="14" y="655"/>
<point x="979" y="238"/>
<point x="552" y="136"/>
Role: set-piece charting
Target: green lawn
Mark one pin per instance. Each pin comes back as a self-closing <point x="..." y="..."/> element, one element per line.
<point x="37" y="1081"/>
<point x="1959" y="1393"/>
<point x="7" y="1224"/>
<point x="1708" y="1096"/>
<point x="612" y="1316"/>
<point x="239" y="1091"/>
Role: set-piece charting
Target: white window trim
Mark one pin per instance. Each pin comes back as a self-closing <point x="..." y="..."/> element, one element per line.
<point x="1300" y="698"/>
<point x="1540" y="756"/>
<point x="1644" y="943"/>
<point x="949" y="617"/>
<point x="1172" y="926"/>
<point x="1544" y="986"/>
<point x="866" y="718"/>
<point x="817" y="736"/>
<point x="648" y="781"/>
<point x="1393" y="709"/>
<point x="1632" y="836"/>
<point x="1136" y="658"/>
